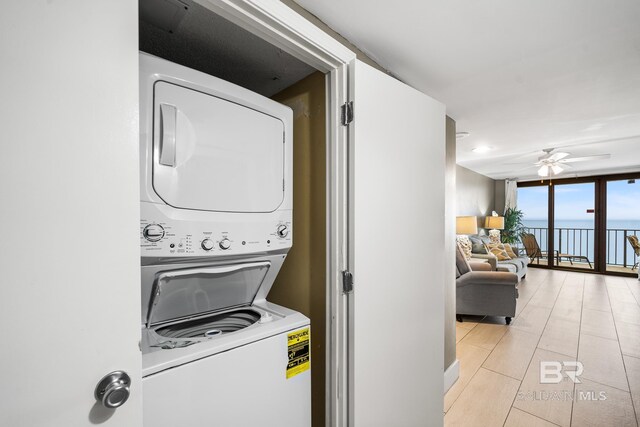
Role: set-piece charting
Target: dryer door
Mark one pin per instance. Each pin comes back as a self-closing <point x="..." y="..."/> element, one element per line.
<point x="212" y="154"/>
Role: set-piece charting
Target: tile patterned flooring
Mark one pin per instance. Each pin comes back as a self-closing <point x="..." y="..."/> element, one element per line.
<point x="564" y="317"/>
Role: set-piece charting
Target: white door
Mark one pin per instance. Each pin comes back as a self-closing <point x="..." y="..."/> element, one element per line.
<point x="69" y="255"/>
<point x="396" y="244"/>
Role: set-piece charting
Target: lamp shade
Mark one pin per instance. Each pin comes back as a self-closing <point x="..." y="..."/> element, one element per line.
<point x="466" y="225"/>
<point x="494" y="222"/>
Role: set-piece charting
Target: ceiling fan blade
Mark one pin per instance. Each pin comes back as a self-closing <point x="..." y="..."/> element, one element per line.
<point x="529" y="157"/>
<point x="585" y="158"/>
<point x="515" y="172"/>
<point x="517" y="164"/>
<point x="526" y="166"/>
<point x="544" y="170"/>
<point x="558" y="156"/>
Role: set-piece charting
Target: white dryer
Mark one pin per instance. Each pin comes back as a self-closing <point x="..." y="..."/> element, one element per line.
<point x="216" y="198"/>
<point x="216" y="166"/>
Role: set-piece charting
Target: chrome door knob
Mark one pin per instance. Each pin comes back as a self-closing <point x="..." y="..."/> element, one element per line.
<point x="113" y="390"/>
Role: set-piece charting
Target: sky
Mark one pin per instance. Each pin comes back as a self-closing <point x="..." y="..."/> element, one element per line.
<point x="573" y="200"/>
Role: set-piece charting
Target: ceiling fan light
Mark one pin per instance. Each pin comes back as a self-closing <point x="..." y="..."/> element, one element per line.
<point x="556" y="169"/>
<point x="543" y="171"/>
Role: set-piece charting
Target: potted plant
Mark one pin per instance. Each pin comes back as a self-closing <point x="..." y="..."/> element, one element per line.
<point x="513" y="226"/>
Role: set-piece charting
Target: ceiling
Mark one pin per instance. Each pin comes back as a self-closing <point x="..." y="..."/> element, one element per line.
<point x="519" y="76"/>
<point x="186" y="33"/>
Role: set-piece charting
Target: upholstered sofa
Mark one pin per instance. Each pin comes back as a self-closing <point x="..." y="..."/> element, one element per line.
<point x="478" y="253"/>
<point x="481" y="291"/>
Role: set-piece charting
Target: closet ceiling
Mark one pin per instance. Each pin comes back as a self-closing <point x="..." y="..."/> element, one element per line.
<point x="518" y="76"/>
<point x="204" y="41"/>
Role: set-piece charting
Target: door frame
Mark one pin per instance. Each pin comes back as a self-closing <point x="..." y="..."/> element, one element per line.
<point x="600" y="223"/>
<point x="281" y="26"/>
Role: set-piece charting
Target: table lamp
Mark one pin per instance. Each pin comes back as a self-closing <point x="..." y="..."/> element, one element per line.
<point x="495" y="223"/>
<point x="466" y="225"/>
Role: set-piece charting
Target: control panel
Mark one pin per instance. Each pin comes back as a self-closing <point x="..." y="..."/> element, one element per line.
<point x="164" y="238"/>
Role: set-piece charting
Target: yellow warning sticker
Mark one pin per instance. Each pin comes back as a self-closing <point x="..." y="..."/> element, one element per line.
<point x="298" y="348"/>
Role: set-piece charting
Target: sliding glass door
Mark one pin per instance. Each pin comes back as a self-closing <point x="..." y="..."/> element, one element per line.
<point x="534" y="204"/>
<point x="623" y="225"/>
<point x="583" y="224"/>
<point x="574" y="225"/>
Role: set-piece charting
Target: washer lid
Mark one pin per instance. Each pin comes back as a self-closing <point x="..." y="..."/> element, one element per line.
<point x="215" y="155"/>
<point x="185" y="293"/>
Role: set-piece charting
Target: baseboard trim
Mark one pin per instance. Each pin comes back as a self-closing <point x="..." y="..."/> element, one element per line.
<point x="451" y="375"/>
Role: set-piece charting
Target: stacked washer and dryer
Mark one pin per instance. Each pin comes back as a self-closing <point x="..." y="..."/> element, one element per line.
<point x="216" y="213"/>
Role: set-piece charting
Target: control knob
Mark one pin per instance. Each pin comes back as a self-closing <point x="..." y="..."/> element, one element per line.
<point x="153" y="232"/>
<point x="282" y="231"/>
<point x="207" y="244"/>
<point x="225" y="244"/>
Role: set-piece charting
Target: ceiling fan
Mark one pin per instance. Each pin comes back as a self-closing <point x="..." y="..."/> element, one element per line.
<point x="552" y="164"/>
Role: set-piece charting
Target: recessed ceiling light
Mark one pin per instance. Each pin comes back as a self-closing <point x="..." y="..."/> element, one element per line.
<point x="482" y="149"/>
<point x="460" y="135"/>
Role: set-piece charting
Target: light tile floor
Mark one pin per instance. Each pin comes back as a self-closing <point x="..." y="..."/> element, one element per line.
<point x="564" y="317"/>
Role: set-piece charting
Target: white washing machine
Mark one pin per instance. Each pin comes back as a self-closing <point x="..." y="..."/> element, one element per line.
<point x="216" y="225"/>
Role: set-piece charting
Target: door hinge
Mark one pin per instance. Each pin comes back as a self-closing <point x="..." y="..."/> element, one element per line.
<point x="347" y="282"/>
<point x="346" y="113"/>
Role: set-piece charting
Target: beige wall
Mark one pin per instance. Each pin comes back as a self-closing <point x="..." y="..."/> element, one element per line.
<point x="301" y="284"/>
<point x="475" y="194"/>
<point x="450" y="235"/>
<point x="499" y="196"/>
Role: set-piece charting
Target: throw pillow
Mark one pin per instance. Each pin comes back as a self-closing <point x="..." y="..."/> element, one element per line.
<point x="462" y="264"/>
<point x="477" y="247"/>
<point x="509" y="250"/>
<point x="499" y="251"/>
<point x="485" y="239"/>
<point x="465" y="245"/>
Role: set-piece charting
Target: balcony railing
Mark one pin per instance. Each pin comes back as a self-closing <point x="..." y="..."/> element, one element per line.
<point x="580" y="242"/>
<point x="624" y="250"/>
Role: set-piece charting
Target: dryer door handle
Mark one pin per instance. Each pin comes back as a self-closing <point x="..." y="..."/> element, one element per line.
<point x="167" y="150"/>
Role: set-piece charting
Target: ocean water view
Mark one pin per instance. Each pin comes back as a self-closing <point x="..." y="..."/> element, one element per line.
<point x="576" y="236"/>
<point x="620" y="224"/>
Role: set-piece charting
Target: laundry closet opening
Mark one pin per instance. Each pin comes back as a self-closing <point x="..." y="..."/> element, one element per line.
<point x="189" y="34"/>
